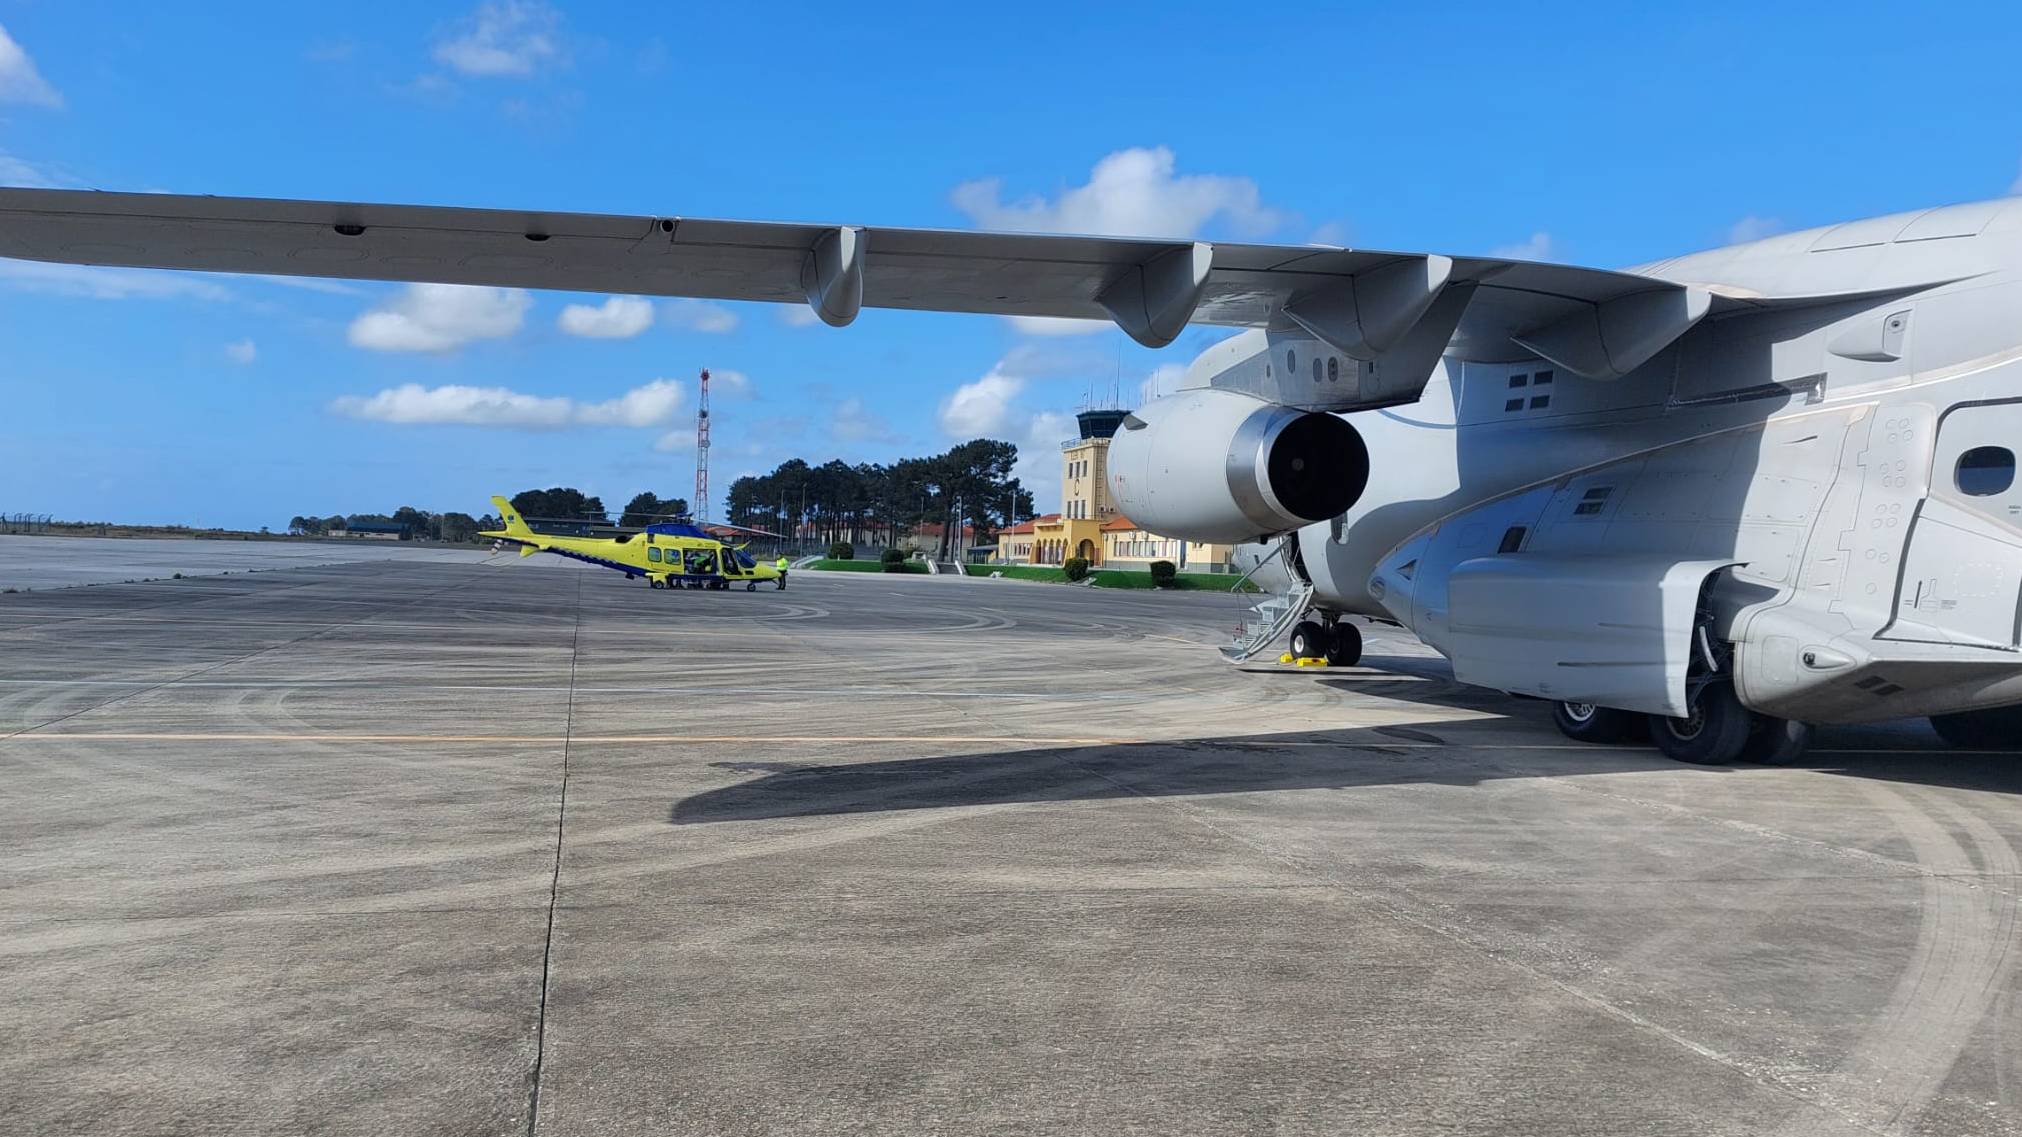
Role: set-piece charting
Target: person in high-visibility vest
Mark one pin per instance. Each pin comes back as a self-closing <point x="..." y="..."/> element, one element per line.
<point x="780" y="564"/>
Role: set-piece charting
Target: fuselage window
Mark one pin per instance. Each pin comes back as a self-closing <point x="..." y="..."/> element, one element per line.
<point x="1985" y="471"/>
<point x="1333" y="370"/>
<point x="1291" y="363"/>
<point x="1316" y="369"/>
<point x="652" y="554"/>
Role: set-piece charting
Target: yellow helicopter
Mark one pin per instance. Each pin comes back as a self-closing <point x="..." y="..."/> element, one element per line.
<point x="669" y="554"/>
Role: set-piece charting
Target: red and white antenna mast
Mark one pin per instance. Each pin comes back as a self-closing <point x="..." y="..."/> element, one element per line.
<point x="701" y="504"/>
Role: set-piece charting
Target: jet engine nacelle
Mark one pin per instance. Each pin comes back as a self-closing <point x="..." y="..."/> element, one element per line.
<point x="1218" y="466"/>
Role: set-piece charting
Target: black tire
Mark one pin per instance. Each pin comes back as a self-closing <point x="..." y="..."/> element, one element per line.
<point x="1714" y="734"/>
<point x="1775" y="741"/>
<point x="1309" y="640"/>
<point x="1344" y="647"/>
<point x="1996" y="729"/>
<point x="751" y="586"/>
<point x="655" y="584"/>
<point x="1585" y="722"/>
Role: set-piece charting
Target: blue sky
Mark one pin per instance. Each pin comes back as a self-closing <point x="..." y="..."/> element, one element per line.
<point x="1602" y="135"/>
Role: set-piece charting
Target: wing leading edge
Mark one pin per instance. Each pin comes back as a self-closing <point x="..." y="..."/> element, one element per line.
<point x="1365" y="303"/>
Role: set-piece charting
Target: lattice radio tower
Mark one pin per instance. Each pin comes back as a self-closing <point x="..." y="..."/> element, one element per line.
<point x="701" y="505"/>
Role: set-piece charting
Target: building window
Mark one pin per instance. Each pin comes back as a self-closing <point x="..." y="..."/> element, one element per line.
<point x="1541" y="379"/>
<point x="1518" y="380"/>
<point x="1985" y="471"/>
<point x="1512" y="405"/>
<point x="1540" y="402"/>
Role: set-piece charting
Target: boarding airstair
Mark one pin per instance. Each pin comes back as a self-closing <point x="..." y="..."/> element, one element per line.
<point x="1276" y="615"/>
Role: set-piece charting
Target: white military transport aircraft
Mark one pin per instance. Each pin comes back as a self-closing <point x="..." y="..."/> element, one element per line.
<point x="1722" y="496"/>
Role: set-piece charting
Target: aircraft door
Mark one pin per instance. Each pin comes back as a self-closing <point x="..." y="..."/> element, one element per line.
<point x="1962" y="572"/>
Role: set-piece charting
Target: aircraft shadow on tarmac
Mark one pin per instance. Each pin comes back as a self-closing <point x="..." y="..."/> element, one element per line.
<point x="1435" y="752"/>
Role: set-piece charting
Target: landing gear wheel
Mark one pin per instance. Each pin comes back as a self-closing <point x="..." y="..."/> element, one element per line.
<point x="751" y="586"/>
<point x="1996" y="729"/>
<point x="656" y="584"/>
<point x="1714" y="734"/>
<point x="1586" y="722"/>
<point x="1309" y="640"/>
<point x="1775" y="741"/>
<point x="1344" y="647"/>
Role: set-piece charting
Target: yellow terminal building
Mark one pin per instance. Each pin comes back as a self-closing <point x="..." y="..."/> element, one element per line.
<point x="1089" y="526"/>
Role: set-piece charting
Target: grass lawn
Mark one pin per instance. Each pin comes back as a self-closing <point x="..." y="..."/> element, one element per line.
<point x="827" y="565"/>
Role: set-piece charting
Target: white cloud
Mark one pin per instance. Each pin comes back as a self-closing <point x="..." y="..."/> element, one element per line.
<point x="20" y="82"/>
<point x="1163" y="380"/>
<point x="21" y="172"/>
<point x="503" y="38"/>
<point x="798" y="316"/>
<point x="441" y="317"/>
<point x="243" y="351"/>
<point x="1330" y="233"/>
<point x="735" y="384"/>
<point x="469" y="406"/>
<point x="699" y="316"/>
<point x="1538" y="247"/>
<point x="313" y="284"/>
<point x="651" y="405"/>
<point x="619" y="318"/>
<point x="980" y="408"/>
<point x="92" y="282"/>
<point x="675" y="442"/>
<point x="1058" y="326"/>
<point x="852" y="421"/>
<point x="1038" y="465"/>
<point x="1130" y="193"/>
<point x="1753" y="228"/>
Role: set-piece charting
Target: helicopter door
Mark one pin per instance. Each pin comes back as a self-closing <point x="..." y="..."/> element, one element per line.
<point x="1962" y="572"/>
<point x="730" y="565"/>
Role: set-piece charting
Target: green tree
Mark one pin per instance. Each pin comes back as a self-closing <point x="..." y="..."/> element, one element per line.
<point x="560" y="504"/>
<point x="419" y="523"/>
<point x="456" y="527"/>
<point x="648" y="507"/>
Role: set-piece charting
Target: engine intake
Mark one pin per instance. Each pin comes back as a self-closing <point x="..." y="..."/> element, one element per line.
<point x="1224" y="467"/>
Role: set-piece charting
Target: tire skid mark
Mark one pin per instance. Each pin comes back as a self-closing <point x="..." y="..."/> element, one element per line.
<point x="1954" y="974"/>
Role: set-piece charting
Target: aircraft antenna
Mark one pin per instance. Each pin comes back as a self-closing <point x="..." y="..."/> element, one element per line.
<point x="701" y="506"/>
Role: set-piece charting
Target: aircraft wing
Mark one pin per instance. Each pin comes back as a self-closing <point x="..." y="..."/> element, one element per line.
<point x="1369" y="304"/>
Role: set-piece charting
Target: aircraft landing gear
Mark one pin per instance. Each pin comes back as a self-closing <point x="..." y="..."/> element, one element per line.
<point x="1721" y="732"/>
<point x="751" y="586"/>
<point x="1337" y="641"/>
<point x="1309" y="640"/>
<point x="1585" y="722"/>
<point x="656" y="584"/>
